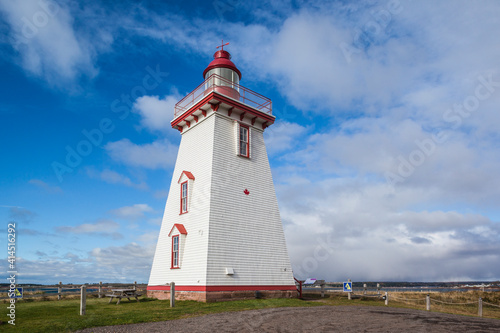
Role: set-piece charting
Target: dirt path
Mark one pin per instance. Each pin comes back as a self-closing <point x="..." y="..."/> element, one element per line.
<point x="317" y="319"/>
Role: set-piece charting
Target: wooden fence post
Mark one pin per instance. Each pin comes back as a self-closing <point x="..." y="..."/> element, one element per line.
<point x="135" y="285"/>
<point x="378" y="288"/>
<point x="100" y="289"/>
<point x="323" y="290"/>
<point x="364" y="288"/>
<point x="83" y="300"/>
<point x="428" y="302"/>
<point x="349" y="293"/>
<point x="386" y="298"/>
<point x="480" y="307"/>
<point x="59" y="291"/>
<point x="172" y="294"/>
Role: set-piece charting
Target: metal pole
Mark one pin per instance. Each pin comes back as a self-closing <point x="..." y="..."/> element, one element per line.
<point x="172" y="294"/>
<point x="428" y="302"/>
<point x="480" y="309"/>
<point x="349" y="293"/>
<point x="83" y="300"/>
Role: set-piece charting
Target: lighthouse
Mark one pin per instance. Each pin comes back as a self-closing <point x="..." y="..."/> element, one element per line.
<point x="221" y="236"/>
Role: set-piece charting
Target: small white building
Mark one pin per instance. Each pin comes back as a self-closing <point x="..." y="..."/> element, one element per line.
<point x="221" y="235"/>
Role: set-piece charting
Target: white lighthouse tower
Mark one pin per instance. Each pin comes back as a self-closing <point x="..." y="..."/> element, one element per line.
<point x="221" y="235"/>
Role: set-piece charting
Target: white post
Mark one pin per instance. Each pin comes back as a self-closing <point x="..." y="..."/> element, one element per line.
<point x="480" y="309"/>
<point x="59" y="291"/>
<point x="135" y="285"/>
<point x="322" y="290"/>
<point x="364" y="288"/>
<point x="83" y="300"/>
<point x="386" y="298"/>
<point x="378" y="288"/>
<point x="172" y="294"/>
<point x="428" y="302"/>
<point x="349" y="293"/>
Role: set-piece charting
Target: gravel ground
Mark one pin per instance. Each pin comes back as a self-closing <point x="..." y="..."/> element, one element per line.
<point x="317" y="319"/>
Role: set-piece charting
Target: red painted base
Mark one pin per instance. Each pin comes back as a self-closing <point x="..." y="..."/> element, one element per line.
<point x="217" y="295"/>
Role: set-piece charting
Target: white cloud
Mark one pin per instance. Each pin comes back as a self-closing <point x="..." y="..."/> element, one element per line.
<point x="20" y="214"/>
<point x="157" y="155"/>
<point x="48" y="188"/>
<point x="106" y="264"/>
<point x="49" y="47"/>
<point x="132" y="212"/>
<point x="113" y="177"/>
<point x="368" y="233"/>
<point x="283" y="136"/>
<point x="157" y="113"/>
<point x="104" y="228"/>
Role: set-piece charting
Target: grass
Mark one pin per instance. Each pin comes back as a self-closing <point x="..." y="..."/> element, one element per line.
<point x="63" y="316"/>
<point x="440" y="302"/>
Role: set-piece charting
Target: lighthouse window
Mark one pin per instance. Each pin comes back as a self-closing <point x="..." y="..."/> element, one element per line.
<point x="184" y="197"/>
<point x="175" y="251"/>
<point x="244" y="141"/>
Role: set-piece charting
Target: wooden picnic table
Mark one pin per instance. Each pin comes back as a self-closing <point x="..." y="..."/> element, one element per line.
<point x="123" y="293"/>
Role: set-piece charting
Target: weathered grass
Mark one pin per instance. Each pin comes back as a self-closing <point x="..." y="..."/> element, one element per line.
<point x="450" y="302"/>
<point x="63" y="316"/>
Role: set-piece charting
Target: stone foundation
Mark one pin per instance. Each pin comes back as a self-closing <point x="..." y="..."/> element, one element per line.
<point x="218" y="296"/>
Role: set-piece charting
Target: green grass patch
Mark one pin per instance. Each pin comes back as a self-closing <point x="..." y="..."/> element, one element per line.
<point x="64" y="315"/>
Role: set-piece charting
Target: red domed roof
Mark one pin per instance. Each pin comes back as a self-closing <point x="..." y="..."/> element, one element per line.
<point x="222" y="59"/>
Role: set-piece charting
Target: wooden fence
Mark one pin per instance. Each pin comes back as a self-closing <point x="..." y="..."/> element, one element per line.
<point x="61" y="290"/>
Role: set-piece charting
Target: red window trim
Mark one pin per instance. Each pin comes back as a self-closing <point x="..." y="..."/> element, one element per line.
<point x="247" y="143"/>
<point x="178" y="253"/>
<point x="187" y="198"/>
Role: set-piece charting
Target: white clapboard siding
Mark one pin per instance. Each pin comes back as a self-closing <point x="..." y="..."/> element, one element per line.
<point x="225" y="227"/>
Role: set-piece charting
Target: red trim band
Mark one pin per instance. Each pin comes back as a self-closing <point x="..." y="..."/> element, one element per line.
<point x="222" y="288"/>
<point x="214" y="95"/>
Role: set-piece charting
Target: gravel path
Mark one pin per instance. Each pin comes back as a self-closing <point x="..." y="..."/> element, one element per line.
<point x="317" y="319"/>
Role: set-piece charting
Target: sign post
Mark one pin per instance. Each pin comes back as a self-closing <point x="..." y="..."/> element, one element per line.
<point x="348" y="288"/>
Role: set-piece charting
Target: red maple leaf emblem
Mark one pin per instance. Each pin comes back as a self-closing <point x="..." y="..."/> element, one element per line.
<point x="246" y="192"/>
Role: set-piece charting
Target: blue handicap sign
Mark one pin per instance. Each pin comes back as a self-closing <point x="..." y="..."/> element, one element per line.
<point x="18" y="293"/>
<point x="348" y="287"/>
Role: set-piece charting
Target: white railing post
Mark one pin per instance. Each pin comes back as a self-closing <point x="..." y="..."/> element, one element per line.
<point x="364" y="288"/>
<point x="386" y="298"/>
<point x="172" y="294"/>
<point x="135" y="285"/>
<point x="83" y="300"/>
<point x="428" y="302"/>
<point x="100" y="289"/>
<point x="378" y="288"/>
<point x="480" y="307"/>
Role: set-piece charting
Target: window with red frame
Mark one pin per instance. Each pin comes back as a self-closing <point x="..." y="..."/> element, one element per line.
<point x="244" y="141"/>
<point x="184" y="197"/>
<point x="175" y="251"/>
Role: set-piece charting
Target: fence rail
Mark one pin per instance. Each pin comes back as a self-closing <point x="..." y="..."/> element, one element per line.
<point x="60" y="290"/>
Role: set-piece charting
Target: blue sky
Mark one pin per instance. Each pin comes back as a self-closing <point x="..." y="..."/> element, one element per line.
<point x="385" y="152"/>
